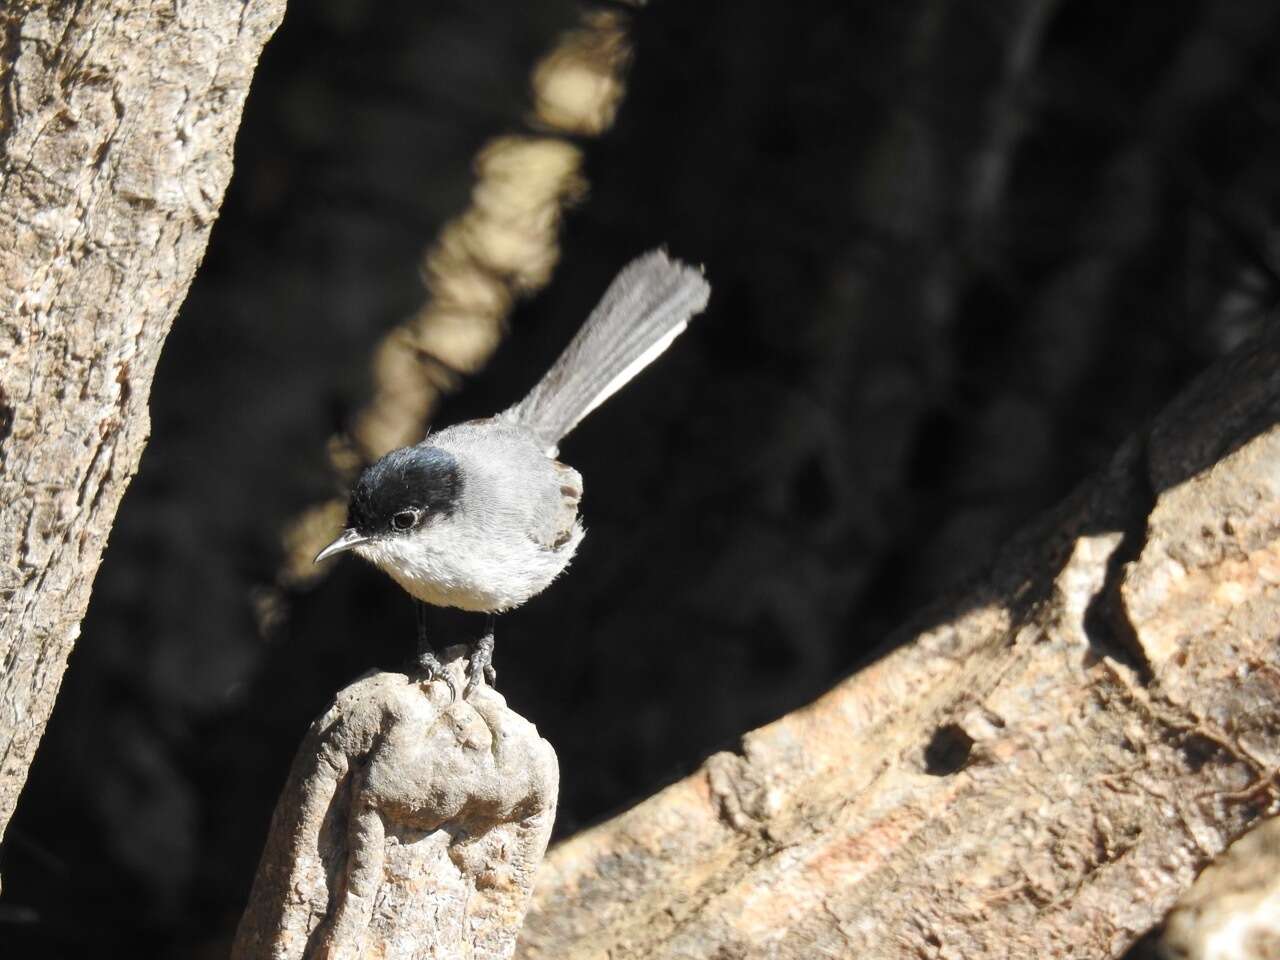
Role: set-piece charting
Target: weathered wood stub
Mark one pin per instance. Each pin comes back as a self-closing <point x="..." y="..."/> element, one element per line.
<point x="411" y="826"/>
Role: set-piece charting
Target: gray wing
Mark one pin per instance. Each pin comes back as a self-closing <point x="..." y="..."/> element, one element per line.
<point x="560" y="517"/>
<point x="511" y="485"/>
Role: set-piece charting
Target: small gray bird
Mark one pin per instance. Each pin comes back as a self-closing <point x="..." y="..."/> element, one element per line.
<point x="482" y="516"/>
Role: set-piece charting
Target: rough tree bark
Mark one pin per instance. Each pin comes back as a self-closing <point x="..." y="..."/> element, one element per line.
<point x="117" y="121"/>
<point x="1038" y="770"/>
<point x="411" y="826"/>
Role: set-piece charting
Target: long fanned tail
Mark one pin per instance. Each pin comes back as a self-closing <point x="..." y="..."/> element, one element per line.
<point x="646" y="307"/>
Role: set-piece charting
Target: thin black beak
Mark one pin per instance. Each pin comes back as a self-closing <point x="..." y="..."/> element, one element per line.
<point x="346" y="540"/>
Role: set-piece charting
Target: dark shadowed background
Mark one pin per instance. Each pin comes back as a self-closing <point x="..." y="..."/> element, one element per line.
<point x="958" y="252"/>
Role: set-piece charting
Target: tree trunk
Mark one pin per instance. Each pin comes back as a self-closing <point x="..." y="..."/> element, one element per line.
<point x="1037" y="770"/>
<point x="117" y="122"/>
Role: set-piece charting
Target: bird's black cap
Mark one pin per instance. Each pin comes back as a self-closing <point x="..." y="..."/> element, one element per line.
<point x="423" y="478"/>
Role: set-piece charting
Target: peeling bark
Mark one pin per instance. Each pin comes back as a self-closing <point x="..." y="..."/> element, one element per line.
<point x="410" y="827"/>
<point x="117" y="121"/>
<point x="1038" y="769"/>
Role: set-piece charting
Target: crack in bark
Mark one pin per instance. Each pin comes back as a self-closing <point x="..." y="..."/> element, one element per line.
<point x="1107" y="620"/>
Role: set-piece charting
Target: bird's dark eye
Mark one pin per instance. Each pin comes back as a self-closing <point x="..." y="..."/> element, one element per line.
<point x="404" y="520"/>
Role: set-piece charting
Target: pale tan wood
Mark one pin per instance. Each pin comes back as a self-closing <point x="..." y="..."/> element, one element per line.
<point x="411" y="826"/>
<point x="1036" y="769"/>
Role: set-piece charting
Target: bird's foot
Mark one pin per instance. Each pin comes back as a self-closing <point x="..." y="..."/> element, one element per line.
<point x="433" y="669"/>
<point x="427" y="661"/>
<point x="480" y="665"/>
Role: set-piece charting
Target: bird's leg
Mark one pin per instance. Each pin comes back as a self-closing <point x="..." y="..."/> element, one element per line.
<point x="428" y="662"/>
<point x="480" y="666"/>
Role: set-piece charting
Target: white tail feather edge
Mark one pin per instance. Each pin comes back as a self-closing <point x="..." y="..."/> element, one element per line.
<point x="634" y="367"/>
<point x="646" y="307"/>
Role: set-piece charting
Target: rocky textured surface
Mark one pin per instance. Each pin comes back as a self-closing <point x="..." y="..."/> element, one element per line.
<point x="1039" y="770"/>
<point x="411" y="826"/>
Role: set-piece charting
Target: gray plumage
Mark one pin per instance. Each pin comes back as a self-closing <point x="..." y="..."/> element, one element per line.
<point x="481" y="516"/>
<point x="512" y="530"/>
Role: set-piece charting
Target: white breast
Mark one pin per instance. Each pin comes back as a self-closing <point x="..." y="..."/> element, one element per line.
<point x="456" y="565"/>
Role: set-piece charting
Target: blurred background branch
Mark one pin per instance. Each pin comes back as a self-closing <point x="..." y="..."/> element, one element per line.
<point x="503" y="246"/>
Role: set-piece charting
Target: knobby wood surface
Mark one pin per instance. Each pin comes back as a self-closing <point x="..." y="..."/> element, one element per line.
<point x="117" y="122"/>
<point x="1036" y="769"/>
<point x="411" y="826"/>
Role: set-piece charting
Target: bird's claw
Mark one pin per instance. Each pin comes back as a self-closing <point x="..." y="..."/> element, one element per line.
<point x="431" y="666"/>
<point x="428" y="662"/>
<point x="480" y="667"/>
<point x="478" y="676"/>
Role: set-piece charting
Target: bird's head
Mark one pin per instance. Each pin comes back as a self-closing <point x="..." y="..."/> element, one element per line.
<point x="397" y="497"/>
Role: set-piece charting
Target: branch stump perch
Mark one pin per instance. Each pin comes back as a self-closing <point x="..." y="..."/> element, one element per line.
<point x="410" y="827"/>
